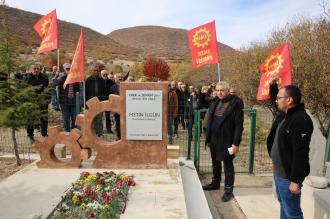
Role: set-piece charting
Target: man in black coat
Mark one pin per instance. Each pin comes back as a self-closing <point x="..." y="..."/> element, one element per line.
<point x="223" y="135"/>
<point x="288" y="147"/>
<point x="95" y="86"/>
<point x="37" y="79"/>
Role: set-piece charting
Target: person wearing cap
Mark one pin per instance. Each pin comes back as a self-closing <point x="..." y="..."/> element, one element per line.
<point x="95" y="86"/>
<point x="37" y="79"/>
<point x="67" y="98"/>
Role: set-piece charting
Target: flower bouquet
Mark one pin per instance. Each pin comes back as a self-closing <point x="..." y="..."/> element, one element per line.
<point x="103" y="195"/>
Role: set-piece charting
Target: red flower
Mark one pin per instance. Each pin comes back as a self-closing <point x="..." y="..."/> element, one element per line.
<point x="116" y="191"/>
<point x="84" y="174"/>
<point x="100" y="182"/>
<point x="119" y="184"/>
<point x="92" y="196"/>
<point x="90" y="214"/>
<point x="99" y="175"/>
<point x="131" y="182"/>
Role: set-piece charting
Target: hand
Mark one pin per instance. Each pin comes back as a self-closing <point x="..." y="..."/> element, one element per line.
<point x="294" y="188"/>
<point x="273" y="80"/>
<point x="236" y="149"/>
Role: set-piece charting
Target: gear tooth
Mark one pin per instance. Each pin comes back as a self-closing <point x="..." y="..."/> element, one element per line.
<point x="38" y="143"/>
<point x="92" y="101"/>
<point x="80" y="120"/>
<point x="114" y="103"/>
<point x="75" y="134"/>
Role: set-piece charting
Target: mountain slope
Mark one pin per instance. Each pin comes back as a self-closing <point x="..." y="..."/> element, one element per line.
<point x="96" y="45"/>
<point x="168" y="42"/>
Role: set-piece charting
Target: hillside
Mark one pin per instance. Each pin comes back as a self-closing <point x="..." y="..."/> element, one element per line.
<point x="97" y="45"/>
<point x="170" y="43"/>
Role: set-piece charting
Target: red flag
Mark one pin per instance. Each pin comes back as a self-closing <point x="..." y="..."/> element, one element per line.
<point x="278" y="65"/>
<point x="77" y="72"/>
<point x="203" y="45"/>
<point x="46" y="27"/>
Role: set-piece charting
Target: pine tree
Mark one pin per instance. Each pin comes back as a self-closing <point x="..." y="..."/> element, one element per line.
<point x="19" y="102"/>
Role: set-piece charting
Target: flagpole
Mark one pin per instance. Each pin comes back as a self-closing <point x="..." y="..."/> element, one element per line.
<point x="219" y="71"/>
<point x="84" y="96"/>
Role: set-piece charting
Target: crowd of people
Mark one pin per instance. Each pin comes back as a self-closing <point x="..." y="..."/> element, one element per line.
<point x="287" y="143"/>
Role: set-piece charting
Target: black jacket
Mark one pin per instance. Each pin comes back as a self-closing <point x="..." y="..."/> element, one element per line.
<point x="91" y="91"/>
<point x="230" y="129"/>
<point x="42" y="83"/>
<point x="294" y="139"/>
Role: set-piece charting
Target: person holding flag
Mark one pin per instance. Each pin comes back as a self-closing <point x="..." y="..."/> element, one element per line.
<point x="290" y="135"/>
<point x="67" y="99"/>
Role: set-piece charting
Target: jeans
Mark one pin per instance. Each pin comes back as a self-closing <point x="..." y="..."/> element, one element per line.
<point x="54" y="101"/>
<point x="68" y="113"/>
<point x="290" y="203"/>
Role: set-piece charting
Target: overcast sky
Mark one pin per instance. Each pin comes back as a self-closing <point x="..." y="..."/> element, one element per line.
<point x="238" y="22"/>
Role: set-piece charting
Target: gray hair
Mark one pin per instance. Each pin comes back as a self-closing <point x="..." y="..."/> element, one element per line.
<point x="226" y="85"/>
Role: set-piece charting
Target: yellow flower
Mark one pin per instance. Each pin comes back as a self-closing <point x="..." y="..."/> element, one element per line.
<point x="74" y="198"/>
<point x="104" y="207"/>
<point x="98" y="187"/>
<point x="123" y="178"/>
<point x="79" y="182"/>
<point x="90" y="179"/>
<point x="83" y="206"/>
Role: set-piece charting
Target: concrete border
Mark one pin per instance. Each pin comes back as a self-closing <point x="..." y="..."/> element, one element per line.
<point x="196" y="203"/>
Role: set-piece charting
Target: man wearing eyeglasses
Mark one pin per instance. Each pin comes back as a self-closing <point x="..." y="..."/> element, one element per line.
<point x="223" y="135"/>
<point x="288" y="147"/>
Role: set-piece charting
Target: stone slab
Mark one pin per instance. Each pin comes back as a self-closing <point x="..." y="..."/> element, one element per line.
<point x="260" y="203"/>
<point x="34" y="191"/>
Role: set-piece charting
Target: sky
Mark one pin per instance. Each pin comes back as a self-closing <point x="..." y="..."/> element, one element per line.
<point x="238" y="22"/>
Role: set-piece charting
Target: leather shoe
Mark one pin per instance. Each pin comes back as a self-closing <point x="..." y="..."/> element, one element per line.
<point x="227" y="196"/>
<point x="211" y="186"/>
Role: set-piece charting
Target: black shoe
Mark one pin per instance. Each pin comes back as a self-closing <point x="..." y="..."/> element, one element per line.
<point x="211" y="186"/>
<point x="227" y="196"/>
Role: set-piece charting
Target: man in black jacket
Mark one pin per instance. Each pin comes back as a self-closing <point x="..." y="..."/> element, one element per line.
<point x="37" y="79"/>
<point x="223" y="135"/>
<point x="95" y="86"/>
<point x="288" y="147"/>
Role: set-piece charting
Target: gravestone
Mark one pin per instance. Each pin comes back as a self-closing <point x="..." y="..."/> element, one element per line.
<point x="143" y="121"/>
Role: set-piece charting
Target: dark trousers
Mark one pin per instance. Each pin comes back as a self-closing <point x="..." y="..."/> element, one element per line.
<point x="117" y="120"/>
<point x="43" y="127"/>
<point x="68" y="114"/>
<point x="108" y="120"/>
<point x="228" y="166"/>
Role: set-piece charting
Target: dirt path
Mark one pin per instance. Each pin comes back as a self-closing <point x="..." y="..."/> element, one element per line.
<point x="8" y="166"/>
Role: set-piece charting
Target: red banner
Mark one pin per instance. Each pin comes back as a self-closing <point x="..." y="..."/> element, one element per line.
<point x="277" y="65"/>
<point x="77" y="72"/>
<point x="203" y="45"/>
<point x="46" y="27"/>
